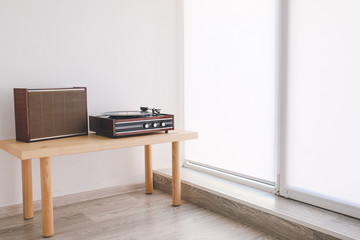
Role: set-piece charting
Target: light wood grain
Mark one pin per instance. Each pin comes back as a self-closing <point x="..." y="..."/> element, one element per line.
<point x="46" y="197"/>
<point x="176" y="182"/>
<point x="9" y="211"/>
<point x="148" y="170"/>
<point x="135" y="216"/>
<point x="27" y="189"/>
<point x="88" y="143"/>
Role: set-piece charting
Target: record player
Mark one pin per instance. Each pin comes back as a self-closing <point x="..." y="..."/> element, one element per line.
<point x="124" y="123"/>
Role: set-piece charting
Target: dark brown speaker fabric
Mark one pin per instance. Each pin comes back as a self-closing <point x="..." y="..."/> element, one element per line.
<point x="57" y="113"/>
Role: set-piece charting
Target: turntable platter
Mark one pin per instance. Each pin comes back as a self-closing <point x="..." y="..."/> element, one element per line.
<point x="127" y="114"/>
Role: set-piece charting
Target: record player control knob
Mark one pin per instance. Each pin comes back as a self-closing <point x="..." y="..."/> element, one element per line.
<point x="163" y="124"/>
<point x="146" y="125"/>
<point x="155" y="124"/>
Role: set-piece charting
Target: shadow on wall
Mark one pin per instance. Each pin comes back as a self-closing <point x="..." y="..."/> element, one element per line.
<point x="10" y="180"/>
<point x="7" y="115"/>
<point x="10" y="167"/>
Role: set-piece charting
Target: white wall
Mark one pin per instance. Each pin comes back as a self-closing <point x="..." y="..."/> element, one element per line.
<point x="125" y="52"/>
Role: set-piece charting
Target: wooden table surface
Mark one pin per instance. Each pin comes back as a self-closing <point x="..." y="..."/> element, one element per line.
<point x="88" y="143"/>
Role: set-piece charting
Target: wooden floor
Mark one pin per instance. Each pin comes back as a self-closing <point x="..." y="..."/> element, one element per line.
<point x="132" y="216"/>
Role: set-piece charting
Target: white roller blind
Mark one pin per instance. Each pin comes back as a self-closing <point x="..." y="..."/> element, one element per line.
<point x="230" y="84"/>
<point x="323" y="103"/>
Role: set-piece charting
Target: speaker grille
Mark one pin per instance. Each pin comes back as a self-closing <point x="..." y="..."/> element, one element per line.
<point x="56" y="113"/>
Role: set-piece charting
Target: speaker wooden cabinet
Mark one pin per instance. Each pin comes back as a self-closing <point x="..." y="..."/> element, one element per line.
<point x="50" y="113"/>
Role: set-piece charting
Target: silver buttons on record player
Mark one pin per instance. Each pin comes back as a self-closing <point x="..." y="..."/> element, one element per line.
<point x="154" y="125"/>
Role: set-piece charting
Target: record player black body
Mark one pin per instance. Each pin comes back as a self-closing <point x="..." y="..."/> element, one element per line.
<point x="125" y="123"/>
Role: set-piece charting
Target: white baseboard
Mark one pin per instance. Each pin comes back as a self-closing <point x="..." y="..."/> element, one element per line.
<point x="74" y="198"/>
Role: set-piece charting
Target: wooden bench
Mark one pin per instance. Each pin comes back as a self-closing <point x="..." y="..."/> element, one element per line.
<point x="82" y="144"/>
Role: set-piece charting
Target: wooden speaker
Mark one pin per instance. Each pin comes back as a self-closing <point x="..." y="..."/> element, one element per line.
<point x="42" y="114"/>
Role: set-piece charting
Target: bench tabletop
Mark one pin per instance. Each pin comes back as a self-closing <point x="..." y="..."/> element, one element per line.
<point x="88" y="143"/>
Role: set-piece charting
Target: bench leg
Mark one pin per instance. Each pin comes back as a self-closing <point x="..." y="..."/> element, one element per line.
<point x="46" y="197"/>
<point x="27" y="189"/>
<point x="176" y="184"/>
<point x="148" y="170"/>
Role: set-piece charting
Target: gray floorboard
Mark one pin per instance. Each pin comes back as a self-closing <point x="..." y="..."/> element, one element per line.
<point x="132" y="216"/>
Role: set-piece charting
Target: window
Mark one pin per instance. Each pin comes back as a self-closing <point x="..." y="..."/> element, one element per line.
<point x="230" y="85"/>
<point x="231" y="92"/>
<point x="323" y="96"/>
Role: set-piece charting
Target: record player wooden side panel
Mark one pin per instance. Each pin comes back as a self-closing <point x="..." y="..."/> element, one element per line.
<point x="102" y="126"/>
